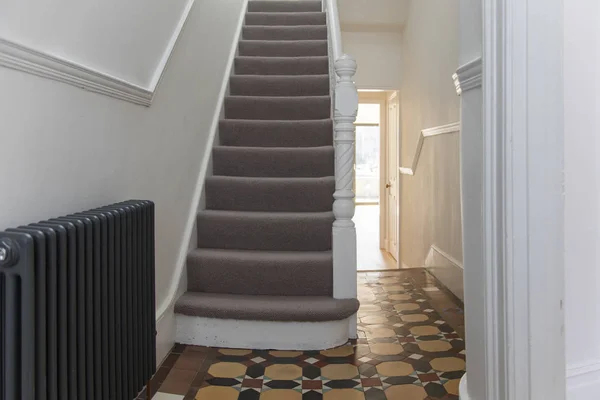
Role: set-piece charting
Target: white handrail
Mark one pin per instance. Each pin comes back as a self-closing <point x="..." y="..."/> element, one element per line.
<point x="335" y="29"/>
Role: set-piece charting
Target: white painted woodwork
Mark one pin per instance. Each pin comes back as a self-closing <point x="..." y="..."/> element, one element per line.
<point x="425" y="133"/>
<point x="262" y="335"/>
<point x="391" y="176"/>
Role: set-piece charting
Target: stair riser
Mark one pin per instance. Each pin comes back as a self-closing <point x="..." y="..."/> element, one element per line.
<point x="260" y="108"/>
<point x="278" y="234"/>
<point x="248" y="194"/>
<point x="281" y="66"/>
<point x="250" y="162"/>
<point x="308" y="32"/>
<point x="269" y="278"/>
<point x="284" y="6"/>
<point x="280" y="18"/>
<point x="273" y="134"/>
<point x="248" y="85"/>
<point x="264" y="48"/>
<point x="242" y="334"/>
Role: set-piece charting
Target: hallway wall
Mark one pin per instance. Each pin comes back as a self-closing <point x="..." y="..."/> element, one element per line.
<point x="430" y="200"/>
<point x="68" y="150"/>
<point x="379" y="58"/>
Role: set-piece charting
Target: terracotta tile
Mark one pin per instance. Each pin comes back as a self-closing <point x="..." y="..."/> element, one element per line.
<point x="178" y="381"/>
<point x="191" y="360"/>
<point x="312" y="385"/>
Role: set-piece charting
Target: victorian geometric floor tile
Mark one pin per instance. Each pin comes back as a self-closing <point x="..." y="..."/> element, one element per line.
<point x="410" y="347"/>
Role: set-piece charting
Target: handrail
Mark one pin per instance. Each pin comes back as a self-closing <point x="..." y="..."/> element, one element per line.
<point x="335" y="29"/>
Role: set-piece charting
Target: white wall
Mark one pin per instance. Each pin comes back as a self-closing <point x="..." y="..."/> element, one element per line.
<point x="582" y="196"/>
<point x="373" y="12"/>
<point x="379" y="58"/>
<point x="65" y="149"/>
<point x="430" y="200"/>
<point x="124" y="39"/>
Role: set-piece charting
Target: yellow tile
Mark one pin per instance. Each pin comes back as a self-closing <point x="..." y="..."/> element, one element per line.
<point x="280" y="394"/>
<point x="406" y="307"/>
<point x="424" y="330"/>
<point x="227" y="370"/>
<point x="395" y="368"/>
<point x="339" y="371"/>
<point x="343" y="351"/>
<point x="434" y="345"/>
<point x="285" y="354"/>
<point x="373" y="319"/>
<point x="452" y="386"/>
<point x="406" y="392"/>
<point x="386" y="349"/>
<point x="343" y="394"/>
<point x="448" y="364"/>
<point x="414" y="318"/>
<point x="400" y="297"/>
<point x="283" y="372"/>
<point x="217" y="392"/>
<point x="379" y="332"/>
<point x="235" y="352"/>
<point x="388" y="280"/>
<point x="369" y="308"/>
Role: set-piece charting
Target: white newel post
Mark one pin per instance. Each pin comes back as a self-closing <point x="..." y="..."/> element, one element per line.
<point x="344" y="232"/>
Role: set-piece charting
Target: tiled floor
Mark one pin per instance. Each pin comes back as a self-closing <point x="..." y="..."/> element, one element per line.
<point x="409" y="348"/>
<point x="369" y="256"/>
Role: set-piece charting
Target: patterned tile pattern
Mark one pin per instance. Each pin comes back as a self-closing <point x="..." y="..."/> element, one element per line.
<point x="406" y="351"/>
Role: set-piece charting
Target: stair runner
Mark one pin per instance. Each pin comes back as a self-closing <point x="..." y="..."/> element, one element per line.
<point x="264" y="239"/>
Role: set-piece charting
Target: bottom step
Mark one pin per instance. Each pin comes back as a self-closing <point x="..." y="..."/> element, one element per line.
<point x="263" y="335"/>
<point x="265" y="322"/>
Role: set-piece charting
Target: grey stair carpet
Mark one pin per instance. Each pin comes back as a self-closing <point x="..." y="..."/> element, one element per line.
<point x="283" y="273"/>
<point x="265" y="308"/>
<point x="304" y="32"/>
<point x="274" y="162"/>
<point x="283" y="48"/>
<point x="279" y="85"/>
<point x="245" y="65"/>
<point x="286" y="18"/>
<point x="255" y="133"/>
<point x="264" y="238"/>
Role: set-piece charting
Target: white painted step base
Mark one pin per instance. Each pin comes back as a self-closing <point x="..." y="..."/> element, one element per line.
<point x="262" y="335"/>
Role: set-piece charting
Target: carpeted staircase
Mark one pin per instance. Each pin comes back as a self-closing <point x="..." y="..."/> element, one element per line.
<point x="264" y="239"/>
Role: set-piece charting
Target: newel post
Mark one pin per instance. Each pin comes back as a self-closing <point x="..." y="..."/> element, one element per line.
<point x="344" y="233"/>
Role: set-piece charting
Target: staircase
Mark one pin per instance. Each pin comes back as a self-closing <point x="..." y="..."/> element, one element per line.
<point x="262" y="275"/>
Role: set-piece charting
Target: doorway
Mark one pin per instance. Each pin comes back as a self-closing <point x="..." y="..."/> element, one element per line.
<point x="375" y="185"/>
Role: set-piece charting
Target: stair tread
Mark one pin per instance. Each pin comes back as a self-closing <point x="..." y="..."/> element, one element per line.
<point x="293" y="215"/>
<point x="260" y="65"/>
<point x="283" y="5"/>
<point x="284" y="32"/>
<point x="265" y="308"/>
<point x="261" y="254"/>
<point x="276" y="133"/>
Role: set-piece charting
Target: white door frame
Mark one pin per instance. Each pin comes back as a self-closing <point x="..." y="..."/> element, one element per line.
<point x="522" y="323"/>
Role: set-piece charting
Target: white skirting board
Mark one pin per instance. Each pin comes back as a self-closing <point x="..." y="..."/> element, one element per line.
<point x="463" y="393"/>
<point x="582" y="380"/>
<point x="263" y="335"/>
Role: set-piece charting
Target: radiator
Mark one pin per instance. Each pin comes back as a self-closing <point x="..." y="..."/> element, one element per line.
<point x="77" y="305"/>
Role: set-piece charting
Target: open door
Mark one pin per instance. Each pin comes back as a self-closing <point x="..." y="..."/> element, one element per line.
<point x="389" y="216"/>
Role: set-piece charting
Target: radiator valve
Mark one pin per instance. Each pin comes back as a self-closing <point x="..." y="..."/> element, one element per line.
<point x="9" y="255"/>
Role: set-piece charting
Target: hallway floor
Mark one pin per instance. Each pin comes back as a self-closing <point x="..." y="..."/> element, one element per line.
<point x="369" y="256"/>
<point x="410" y="347"/>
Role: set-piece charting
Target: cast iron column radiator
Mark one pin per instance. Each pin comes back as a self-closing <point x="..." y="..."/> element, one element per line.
<point x="77" y="305"/>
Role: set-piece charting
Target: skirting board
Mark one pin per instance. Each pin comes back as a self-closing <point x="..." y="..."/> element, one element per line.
<point x="583" y="380"/>
<point x="242" y="334"/>
<point x="463" y="393"/>
<point x="447" y="270"/>
<point x="438" y="130"/>
<point x="22" y="58"/>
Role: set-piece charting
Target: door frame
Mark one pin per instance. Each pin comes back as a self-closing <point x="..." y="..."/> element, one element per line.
<point x="381" y="97"/>
<point x="521" y="320"/>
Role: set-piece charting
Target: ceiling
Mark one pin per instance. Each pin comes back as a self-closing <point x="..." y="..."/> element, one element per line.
<point x="373" y="15"/>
